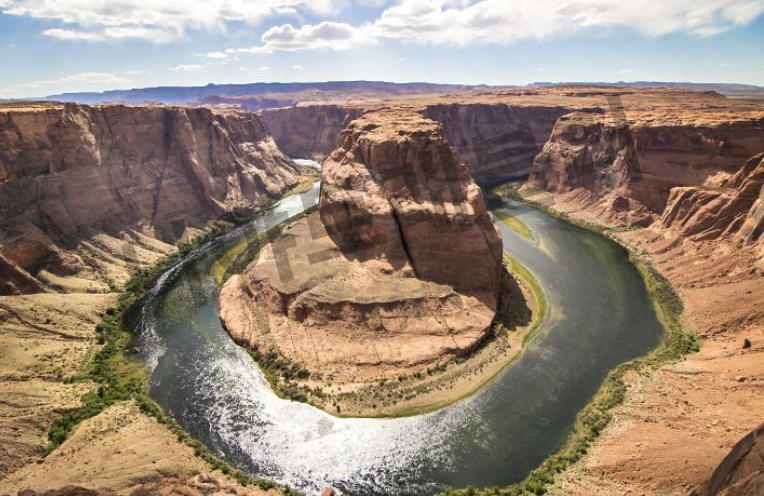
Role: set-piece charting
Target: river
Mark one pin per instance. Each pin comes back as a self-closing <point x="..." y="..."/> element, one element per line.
<point x="600" y="316"/>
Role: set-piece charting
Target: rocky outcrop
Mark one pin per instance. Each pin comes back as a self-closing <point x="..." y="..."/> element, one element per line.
<point x="399" y="270"/>
<point x="203" y="484"/>
<point x="66" y="170"/>
<point x="395" y="175"/>
<point x="624" y="172"/>
<point x="309" y="131"/>
<point x="497" y="141"/>
<point x="734" y="209"/>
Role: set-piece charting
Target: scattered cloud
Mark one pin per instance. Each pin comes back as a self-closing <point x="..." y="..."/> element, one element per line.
<point x="326" y="35"/>
<point x="132" y="73"/>
<point x="502" y="22"/>
<point x="187" y="68"/>
<point x="72" y="35"/>
<point x="298" y="67"/>
<point x="98" y="78"/>
<point x="627" y="71"/>
<point x="726" y="64"/>
<point x="541" y="69"/>
<point x="95" y="78"/>
<point x="213" y="55"/>
<point x="254" y="49"/>
<point x="12" y="46"/>
<point x="264" y="68"/>
<point x="158" y="21"/>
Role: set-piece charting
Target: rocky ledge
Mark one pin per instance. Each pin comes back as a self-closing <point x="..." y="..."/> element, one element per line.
<point x="399" y="269"/>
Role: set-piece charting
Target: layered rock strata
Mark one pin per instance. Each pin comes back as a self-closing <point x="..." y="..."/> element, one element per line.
<point x="309" y="131"/>
<point x="624" y="172"/>
<point x="69" y="172"/>
<point x="399" y="270"/>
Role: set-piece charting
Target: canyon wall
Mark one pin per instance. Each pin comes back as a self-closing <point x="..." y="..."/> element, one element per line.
<point x="309" y="131"/>
<point x="624" y="173"/>
<point x="734" y="209"/>
<point x="68" y="172"/>
<point x="497" y="141"/>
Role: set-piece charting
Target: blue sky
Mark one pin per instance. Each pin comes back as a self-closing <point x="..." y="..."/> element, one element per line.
<point x="52" y="46"/>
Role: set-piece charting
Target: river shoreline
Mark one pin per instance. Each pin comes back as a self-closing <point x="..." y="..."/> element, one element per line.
<point x="596" y="415"/>
<point x="240" y="475"/>
<point x="122" y="379"/>
<point x="433" y="388"/>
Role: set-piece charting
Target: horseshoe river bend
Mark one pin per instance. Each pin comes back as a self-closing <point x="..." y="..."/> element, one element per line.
<point x="600" y="315"/>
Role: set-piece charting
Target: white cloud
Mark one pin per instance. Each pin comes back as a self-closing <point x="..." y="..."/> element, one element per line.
<point x="298" y="67"/>
<point x="187" y="68"/>
<point x="213" y="55"/>
<point x="506" y="21"/>
<point x="326" y="35"/>
<point x="132" y="72"/>
<point x="158" y="20"/>
<point x="70" y="34"/>
<point x="98" y="78"/>
<point x="254" y="49"/>
<point x="726" y="64"/>
<point x="458" y="22"/>
<point x="264" y="69"/>
<point x="94" y="78"/>
<point x="627" y="71"/>
<point x="502" y="22"/>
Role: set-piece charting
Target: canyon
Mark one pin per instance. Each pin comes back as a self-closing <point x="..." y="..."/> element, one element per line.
<point x="396" y="274"/>
<point x="674" y="175"/>
<point x="89" y="195"/>
<point x="73" y="176"/>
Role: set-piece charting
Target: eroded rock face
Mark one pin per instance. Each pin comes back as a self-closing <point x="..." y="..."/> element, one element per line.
<point x="309" y="131"/>
<point x="734" y="209"/>
<point x="497" y="141"/>
<point x="624" y="172"/>
<point x="394" y="176"/>
<point x="68" y="169"/>
<point x="399" y="270"/>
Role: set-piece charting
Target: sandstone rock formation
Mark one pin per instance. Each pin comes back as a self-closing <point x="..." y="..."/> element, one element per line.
<point x="69" y="171"/>
<point x="400" y="271"/>
<point x="625" y="171"/>
<point x="497" y="141"/>
<point x="309" y="131"/>
<point x="733" y="209"/>
<point x="204" y="484"/>
<point x="395" y="174"/>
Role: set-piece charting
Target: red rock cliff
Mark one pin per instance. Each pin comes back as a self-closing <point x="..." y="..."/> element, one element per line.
<point x="68" y="169"/>
<point x="394" y="175"/>
<point x="624" y="172"/>
<point x="309" y="131"/>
